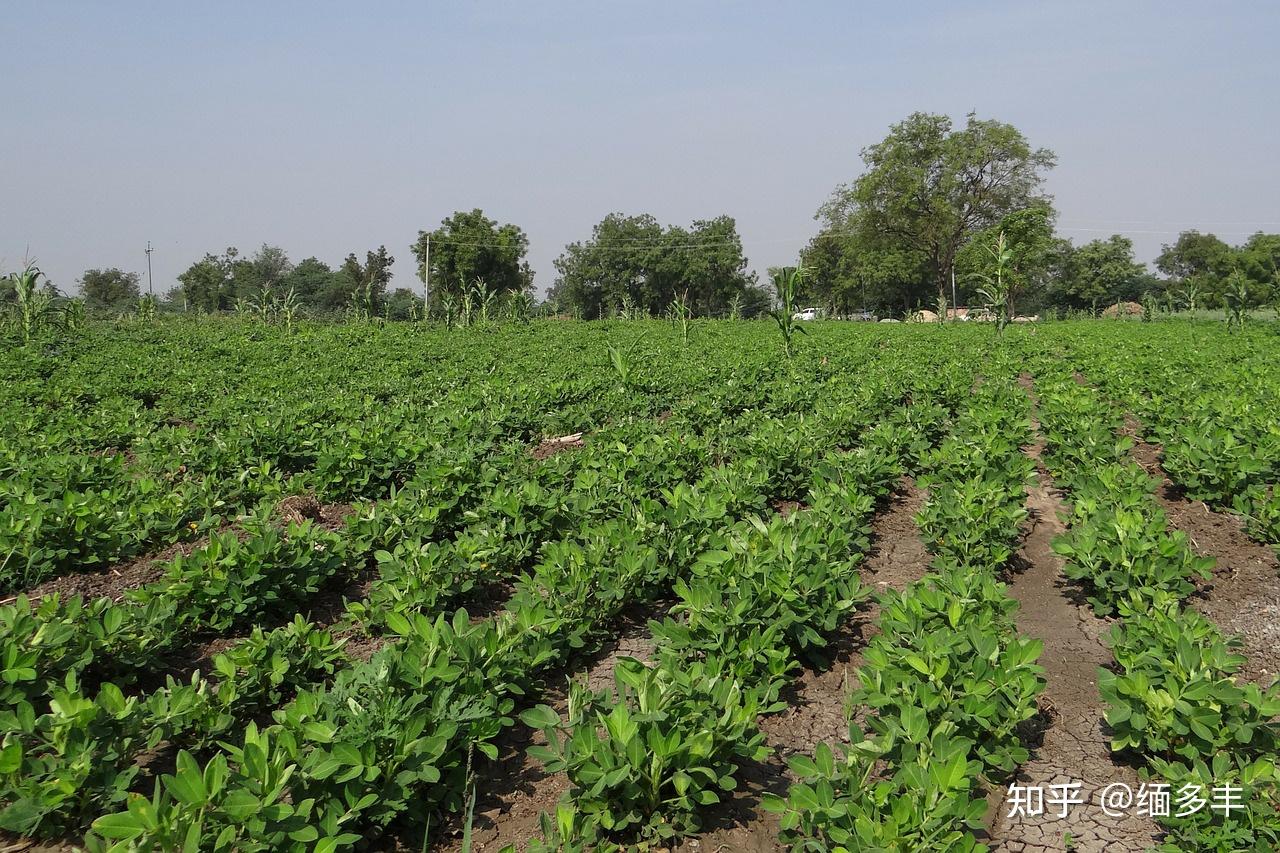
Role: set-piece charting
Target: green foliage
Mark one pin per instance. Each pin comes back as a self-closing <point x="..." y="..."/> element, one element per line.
<point x="209" y="285"/>
<point x="768" y="598"/>
<point x="645" y="757"/>
<point x="33" y="304"/>
<point x="1253" y="826"/>
<point x="1237" y="300"/>
<point x="1034" y="256"/>
<point x="1175" y="695"/>
<point x="1130" y="559"/>
<point x="1103" y="272"/>
<point x="929" y="186"/>
<point x="634" y="265"/>
<point x="109" y="288"/>
<point x="676" y="496"/>
<point x="787" y="282"/>
<point x="468" y="246"/>
<point x="363" y="287"/>
<point x="926" y="802"/>
<point x="949" y="649"/>
<point x="1213" y="462"/>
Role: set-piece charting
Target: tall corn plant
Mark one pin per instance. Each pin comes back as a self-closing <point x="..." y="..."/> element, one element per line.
<point x="35" y="306"/>
<point x="735" y="307"/>
<point x="1188" y="296"/>
<point x="147" y="307"/>
<point x="74" y="315"/>
<point x="1149" y="307"/>
<point x="361" y="305"/>
<point x="787" y="282"/>
<point x="1237" y="299"/>
<point x="483" y="299"/>
<point x="997" y="289"/>
<point x="287" y="309"/>
<point x="682" y="315"/>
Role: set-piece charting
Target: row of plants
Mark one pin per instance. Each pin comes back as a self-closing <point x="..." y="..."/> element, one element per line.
<point x="473" y="674"/>
<point x="81" y="509"/>
<point x="551" y="584"/>
<point x="481" y="532"/>
<point x="1209" y="402"/>
<point x="231" y="581"/>
<point x="948" y="684"/>
<point x="125" y="443"/>
<point x="647" y="758"/>
<point x="1174" y="697"/>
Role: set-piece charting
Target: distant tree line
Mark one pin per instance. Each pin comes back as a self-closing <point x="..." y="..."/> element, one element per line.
<point x="636" y="265"/>
<point x="219" y="282"/>
<point x="912" y="231"/>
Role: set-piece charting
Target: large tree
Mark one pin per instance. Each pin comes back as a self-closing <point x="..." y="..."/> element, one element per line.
<point x="311" y="282"/>
<point x="209" y="283"/>
<point x="109" y="288"/>
<point x="470" y="247"/>
<point x="1259" y="260"/>
<point x="361" y="285"/>
<point x="1103" y="272"/>
<point x="929" y="187"/>
<point x="1032" y="251"/>
<point x="636" y="262"/>
<point x="1200" y="261"/>
<point x="851" y="268"/>
<point x="265" y="271"/>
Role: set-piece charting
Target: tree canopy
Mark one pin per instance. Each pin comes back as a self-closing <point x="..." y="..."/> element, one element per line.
<point x="929" y="187"/>
<point x="1205" y="263"/>
<point x="109" y="288"/>
<point x="1103" y="272"/>
<point x="209" y="283"/>
<point x="634" y="262"/>
<point x="470" y="247"/>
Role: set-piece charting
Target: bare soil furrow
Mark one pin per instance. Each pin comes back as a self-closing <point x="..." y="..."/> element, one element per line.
<point x="1076" y="748"/>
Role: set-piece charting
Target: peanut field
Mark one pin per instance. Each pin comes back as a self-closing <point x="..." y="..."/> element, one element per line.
<point x="631" y="585"/>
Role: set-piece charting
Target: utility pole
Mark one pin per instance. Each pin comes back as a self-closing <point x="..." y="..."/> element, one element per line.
<point x="426" y="276"/>
<point x="954" y="306"/>
<point x="149" y="290"/>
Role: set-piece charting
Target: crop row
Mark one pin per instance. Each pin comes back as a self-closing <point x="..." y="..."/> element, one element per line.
<point x="1210" y="404"/>
<point x="1173" y="697"/>
<point x="401" y="729"/>
<point x="565" y="587"/>
<point x="645" y="758"/>
<point x="948" y="681"/>
<point x="54" y="646"/>
<point x="463" y="526"/>
<point x="101" y="464"/>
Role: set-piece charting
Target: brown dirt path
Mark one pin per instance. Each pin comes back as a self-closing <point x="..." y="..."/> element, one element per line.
<point x="1075" y="746"/>
<point x="1244" y="596"/>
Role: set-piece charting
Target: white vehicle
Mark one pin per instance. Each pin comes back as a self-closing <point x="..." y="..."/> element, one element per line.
<point x="805" y="314"/>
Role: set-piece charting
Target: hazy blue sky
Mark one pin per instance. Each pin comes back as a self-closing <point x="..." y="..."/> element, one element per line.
<point x="327" y="128"/>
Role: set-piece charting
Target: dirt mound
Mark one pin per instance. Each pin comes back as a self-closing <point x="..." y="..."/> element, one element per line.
<point x="1123" y="309"/>
<point x="549" y="447"/>
<point x="298" y="508"/>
